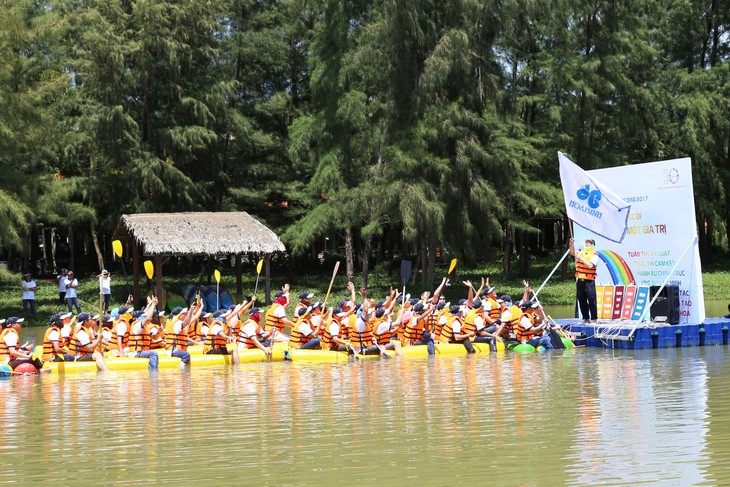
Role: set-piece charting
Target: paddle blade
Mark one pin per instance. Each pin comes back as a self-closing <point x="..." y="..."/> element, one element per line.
<point x="149" y="268"/>
<point x="405" y="270"/>
<point x="117" y="246"/>
<point x="452" y="266"/>
<point x="337" y="267"/>
<point x="259" y="266"/>
<point x="217" y="275"/>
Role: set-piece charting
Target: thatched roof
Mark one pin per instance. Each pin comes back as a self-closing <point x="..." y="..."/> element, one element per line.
<point x="200" y="233"/>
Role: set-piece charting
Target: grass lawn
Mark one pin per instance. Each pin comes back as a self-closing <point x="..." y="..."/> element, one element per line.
<point x="716" y="282"/>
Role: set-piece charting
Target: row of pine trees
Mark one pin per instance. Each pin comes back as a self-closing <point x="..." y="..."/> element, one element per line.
<point x="435" y="121"/>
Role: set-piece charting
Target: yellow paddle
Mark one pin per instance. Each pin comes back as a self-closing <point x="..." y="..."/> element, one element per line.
<point x="118" y="249"/>
<point x="258" y="273"/>
<point x="451" y="266"/>
<point x="149" y="269"/>
<point x="217" y="275"/>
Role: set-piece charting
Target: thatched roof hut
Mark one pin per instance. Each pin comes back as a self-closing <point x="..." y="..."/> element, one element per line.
<point x="203" y="233"/>
<point x="197" y="233"/>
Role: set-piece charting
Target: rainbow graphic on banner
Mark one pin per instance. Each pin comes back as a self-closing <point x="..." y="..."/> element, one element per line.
<point x="617" y="267"/>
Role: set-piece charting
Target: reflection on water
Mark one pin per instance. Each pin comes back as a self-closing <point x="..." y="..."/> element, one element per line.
<point x="558" y="418"/>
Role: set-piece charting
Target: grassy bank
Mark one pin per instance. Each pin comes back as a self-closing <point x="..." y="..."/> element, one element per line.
<point x="557" y="291"/>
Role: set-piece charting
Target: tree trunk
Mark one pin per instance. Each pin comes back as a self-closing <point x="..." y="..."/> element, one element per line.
<point x="431" y="270"/>
<point x="267" y="278"/>
<point x="507" y="252"/>
<point x="365" y="263"/>
<point x="97" y="247"/>
<point x="71" y="249"/>
<point x="349" y="257"/>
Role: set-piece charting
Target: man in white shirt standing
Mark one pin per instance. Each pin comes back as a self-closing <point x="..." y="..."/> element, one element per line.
<point x="105" y="288"/>
<point x="61" y="279"/>
<point x="71" y="297"/>
<point x="29" y="288"/>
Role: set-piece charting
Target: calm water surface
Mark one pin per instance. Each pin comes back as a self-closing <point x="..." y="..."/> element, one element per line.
<point x="584" y="416"/>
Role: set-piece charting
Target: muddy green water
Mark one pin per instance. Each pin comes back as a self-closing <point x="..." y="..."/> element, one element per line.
<point x="575" y="417"/>
<point x="578" y="417"/>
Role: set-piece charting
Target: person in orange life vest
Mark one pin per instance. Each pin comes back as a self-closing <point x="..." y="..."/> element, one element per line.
<point x="86" y="341"/>
<point x="236" y="312"/>
<point x="66" y="330"/>
<point x="217" y="340"/>
<point x="10" y="352"/>
<point x="453" y="331"/>
<point x="107" y="332"/>
<point x="530" y="328"/>
<point x="511" y="314"/>
<point x="361" y="334"/>
<point x="276" y="318"/>
<point x="305" y="333"/>
<point x="475" y="318"/>
<point x="415" y="332"/>
<point x="53" y="351"/>
<point x="139" y="336"/>
<point x="252" y="336"/>
<point x="305" y="301"/>
<point x="384" y="329"/>
<point x="157" y="332"/>
<point x="178" y="341"/>
<point x="119" y="345"/>
<point x="585" y="279"/>
<point x="202" y="326"/>
<point x="492" y="309"/>
<point x="332" y="336"/>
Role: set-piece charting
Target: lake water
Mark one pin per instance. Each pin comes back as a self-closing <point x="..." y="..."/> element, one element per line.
<point x="575" y="417"/>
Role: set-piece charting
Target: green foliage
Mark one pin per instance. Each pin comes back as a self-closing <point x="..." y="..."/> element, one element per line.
<point x="430" y="124"/>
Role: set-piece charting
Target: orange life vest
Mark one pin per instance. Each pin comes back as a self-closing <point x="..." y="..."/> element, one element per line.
<point x="179" y="340"/>
<point x="246" y="340"/>
<point x="158" y="339"/>
<point x="361" y="339"/>
<point x="384" y="337"/>
<point x="125" y="337"/>
<point x="582" y="271"/>
<point x="140" y="342"/>
<point x="414" y="330"/>
<point x="447" y="332"/>
<point x="297" y="338"/>
<point x="515" y="314"/>
<point x="495" y="310"/>
<point x="271" y="322"/>
<point x="48" y="352"/>
<point x="469" y="325"/>
<point x="213" y="342"/>
<point x="524" y="334"/>
<point x="76" y="345"/>
<point x="327" y="341"/>
<point x="344" y="330"/>
<point x="4" y="353"/>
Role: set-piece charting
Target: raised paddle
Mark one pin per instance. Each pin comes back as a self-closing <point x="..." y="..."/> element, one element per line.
<point x="217" y="275"/>
<point x="118" y="249"/>
<point x="149" y="269"/>
<point x="405" y="274"/>
<point x="258" y="273"/>
<point x="332" y="281"/>
<point x="452" y="266"/>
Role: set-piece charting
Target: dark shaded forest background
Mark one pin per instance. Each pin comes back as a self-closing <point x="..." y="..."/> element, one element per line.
<point x="369" y="129"/>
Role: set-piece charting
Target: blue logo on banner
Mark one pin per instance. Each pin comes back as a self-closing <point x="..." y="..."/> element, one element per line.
<point x="593" y="197"/>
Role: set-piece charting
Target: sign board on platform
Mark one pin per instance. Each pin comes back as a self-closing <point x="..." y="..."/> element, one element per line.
<point x="661" y="226"/>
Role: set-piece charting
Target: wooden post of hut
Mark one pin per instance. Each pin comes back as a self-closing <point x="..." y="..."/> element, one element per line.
<point x="135" y="272"/>
<point x="158" y="276"/>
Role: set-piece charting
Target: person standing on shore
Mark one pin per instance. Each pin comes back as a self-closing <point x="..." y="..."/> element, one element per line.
<point x="29" y="288"/>
<point x="71" y="296"/>
<point x="585" y="274"/>
<point x="61" y="279"/>
<point x="105" y="288"/>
